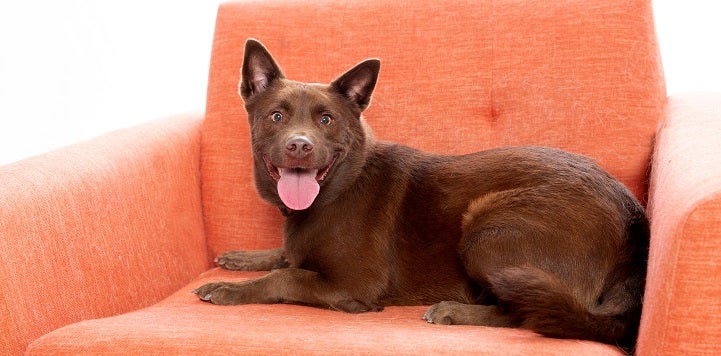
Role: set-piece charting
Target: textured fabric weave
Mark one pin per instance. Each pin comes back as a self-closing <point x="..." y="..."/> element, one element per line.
<point x="682" y="308"/>
<point x="456" y="77"/>
<point x="183" y="325"/>
<point x="99" y="228"/>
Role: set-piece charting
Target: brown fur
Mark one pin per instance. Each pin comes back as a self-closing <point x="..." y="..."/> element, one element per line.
<point x="525" y="237"/>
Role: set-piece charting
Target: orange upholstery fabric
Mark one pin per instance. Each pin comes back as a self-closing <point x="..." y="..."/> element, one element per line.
<point x="115" y="225"/>
<point x="456" y="77"/>
<point x="682" y="311"/>
<point x="182" y="325"/>
<point x="99" y="228"/>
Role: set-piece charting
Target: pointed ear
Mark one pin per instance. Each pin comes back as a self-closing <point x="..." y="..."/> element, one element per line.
<point x="259" y="70"/>
<point x="358" y="83"/>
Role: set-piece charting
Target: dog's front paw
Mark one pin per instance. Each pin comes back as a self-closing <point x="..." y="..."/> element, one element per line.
<point x="222" y="293"/>
<point x="252" y="260"/>
<point x="235" y="261"/>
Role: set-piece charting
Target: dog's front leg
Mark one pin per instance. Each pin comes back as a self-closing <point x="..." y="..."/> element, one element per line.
<point x="289" y="285"/>
<point x="265" y="260"/>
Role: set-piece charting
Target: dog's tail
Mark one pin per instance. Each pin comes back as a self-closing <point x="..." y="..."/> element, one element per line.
<point x="547" y="306"/>
<point x="544" y="304"/>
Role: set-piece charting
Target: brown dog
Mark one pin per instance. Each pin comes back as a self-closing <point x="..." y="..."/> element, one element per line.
<point x="525" y="237"/>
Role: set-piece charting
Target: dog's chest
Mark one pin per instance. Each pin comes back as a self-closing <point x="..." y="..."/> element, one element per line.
<point x="341" y="236"/>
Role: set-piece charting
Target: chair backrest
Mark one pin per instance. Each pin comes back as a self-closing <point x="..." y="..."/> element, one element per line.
<point x="456" y="76"/>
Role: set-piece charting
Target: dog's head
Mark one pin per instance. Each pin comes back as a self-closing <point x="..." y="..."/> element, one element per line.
<point x="309" y="140"/>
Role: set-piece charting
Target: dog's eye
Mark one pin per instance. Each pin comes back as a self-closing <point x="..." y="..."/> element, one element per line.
<point x="326" y="120"/>
<point x="276" y="117"/>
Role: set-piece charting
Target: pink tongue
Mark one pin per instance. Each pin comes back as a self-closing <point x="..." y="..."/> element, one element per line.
<point x="298" y="188"/>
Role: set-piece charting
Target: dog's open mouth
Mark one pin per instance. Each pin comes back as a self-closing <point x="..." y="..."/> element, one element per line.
<point x="297" y="187"/>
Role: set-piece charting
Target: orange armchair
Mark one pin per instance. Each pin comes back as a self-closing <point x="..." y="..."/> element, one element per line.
<point x="102" y="242"/>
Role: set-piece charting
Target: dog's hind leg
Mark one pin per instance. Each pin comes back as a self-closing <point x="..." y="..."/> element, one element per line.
<point x="479" y="260"/>
<point x="535" y="256"/>
<point x="497" y="234"/>
<point x="454" y="313"/>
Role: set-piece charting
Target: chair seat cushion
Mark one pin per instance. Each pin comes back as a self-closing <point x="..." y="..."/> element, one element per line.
<point x="181" y="324"/>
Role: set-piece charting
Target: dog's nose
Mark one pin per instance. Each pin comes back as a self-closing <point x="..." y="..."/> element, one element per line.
<point x="299" y="146"/>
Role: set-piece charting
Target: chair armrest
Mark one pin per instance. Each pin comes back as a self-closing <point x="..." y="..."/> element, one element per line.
<point x="682" y="307"/>
<point x="99" y="228"/>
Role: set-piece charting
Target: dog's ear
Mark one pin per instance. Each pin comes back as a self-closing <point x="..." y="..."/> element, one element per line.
<point x="259" y="70"/>
<point x="357" y="84"/>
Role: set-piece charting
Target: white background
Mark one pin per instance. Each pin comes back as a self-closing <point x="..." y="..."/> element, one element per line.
<point x="71" y="70"/>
